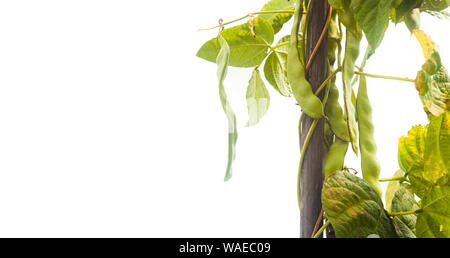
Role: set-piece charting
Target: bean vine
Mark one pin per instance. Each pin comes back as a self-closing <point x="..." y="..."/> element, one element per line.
<point x="350" y="204"/>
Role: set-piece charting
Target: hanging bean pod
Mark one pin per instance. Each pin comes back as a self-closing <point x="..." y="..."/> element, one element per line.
<point x="369" y="163"/>
<point x="301" y="88"/>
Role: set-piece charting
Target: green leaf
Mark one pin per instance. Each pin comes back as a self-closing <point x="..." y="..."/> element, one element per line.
<point x="411" y="149"/>
<point x="373" y="17"/>
<point x="405" y="225"/>
<point x="435" y="5"/>
<point x="246" y="50"/>
<point x="411" y="152"/>
<point x="258" y="98"/>
<point x="277" y="19"/>
<point x="434" y="220"/>
<point x="354" y="208"/>
<point x="419" y="184"/>
<point x="425" y="154"/>
<point x="405" y="7"/>
<point x="222" y="65"/>
<point x="437" y="150"/>
<point x="275" y="68"/>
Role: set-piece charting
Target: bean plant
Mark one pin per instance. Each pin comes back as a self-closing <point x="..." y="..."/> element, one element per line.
<point x="417" y="199"/>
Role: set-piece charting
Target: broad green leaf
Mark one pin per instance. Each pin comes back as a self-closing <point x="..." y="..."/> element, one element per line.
<point x="392" y="187"/>
<point x="222" y="67"/>
<point x="354" y="208"/>
<point x="258" y="98"/>
<point x="246" y="50"/>
<point x="277" y="19"/>
<point x="437" y="150"/>
<point x="373" y="17"/>
<point x="346" y="15"/>
<point x="419" y="184"/>
<point x="411" y="152"/>
<point x="275" y="68"/>
<point x="405" y="7"/>
<point x="434" y="220"/>
<point x="411" y="149"/>
<point x="435" y="5"/>
<point x="405" y="225"/>
<point x="353" y="39"/>
<point x="425" y="154"/>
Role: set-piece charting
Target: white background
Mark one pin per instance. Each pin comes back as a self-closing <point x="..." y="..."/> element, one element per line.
<point x="111" y="127"/>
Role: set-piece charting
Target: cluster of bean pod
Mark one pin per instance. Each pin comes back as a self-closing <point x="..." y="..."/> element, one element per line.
<point x="351" y="124"/>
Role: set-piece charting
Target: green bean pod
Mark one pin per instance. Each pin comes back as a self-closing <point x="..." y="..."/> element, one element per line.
<point x="301" y="88"/>
<point x="335" y="115"/>
<point x="353" y="39"/>
<point x="335" y="157"/>
<point x="369" y="163"/>
<point x="333" y="38"/>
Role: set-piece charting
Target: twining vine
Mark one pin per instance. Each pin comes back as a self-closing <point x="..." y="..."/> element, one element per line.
<point x="417" y="200"/>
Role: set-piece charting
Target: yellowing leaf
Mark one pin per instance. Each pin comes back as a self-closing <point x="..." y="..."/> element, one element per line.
<point x="428" y="46"/>
<point x="432" y="81"/>
<point x="425" y="155"/>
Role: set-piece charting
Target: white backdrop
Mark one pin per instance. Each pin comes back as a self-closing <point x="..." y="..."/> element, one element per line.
<point x="111" y="127"/>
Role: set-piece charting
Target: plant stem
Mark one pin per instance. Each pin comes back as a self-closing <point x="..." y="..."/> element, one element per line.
<point x="319" y="219"/>
<point x="339" y="55"/>
<point x="281" y="44"/>
<point x="302" y="155"/>
<point x="319" y="41"/>
<point x="306" y="13"/>
<point x="404" y="212"/>
<point x="321" y="229"/>
<point x="398" y="178"/>
<point x="386" y="77"/>
<point x="245" y="16"/>
<point x="327" y="80"/>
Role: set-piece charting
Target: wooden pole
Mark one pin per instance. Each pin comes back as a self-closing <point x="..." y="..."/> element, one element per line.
<point x="312" y="167"/>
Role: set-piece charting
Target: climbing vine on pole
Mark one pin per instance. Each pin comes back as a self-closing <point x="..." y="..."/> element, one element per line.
<point x="418" y="194"/>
